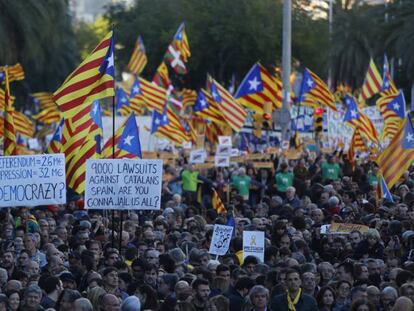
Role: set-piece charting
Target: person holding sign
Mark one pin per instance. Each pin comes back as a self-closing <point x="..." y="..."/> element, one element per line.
<point x="294" y="299"/>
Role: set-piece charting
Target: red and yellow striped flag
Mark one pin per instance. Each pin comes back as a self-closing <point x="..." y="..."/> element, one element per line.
<point x="9" y="142"/>
<point x="14" y="72"/>
<point x="138" y="59"/>
<point x="217" y="203"/>
<point x="372" y="82"/>
<point x="92" y="80"/>
<point x="23" y="125"/>
<point x="232" y="111"/>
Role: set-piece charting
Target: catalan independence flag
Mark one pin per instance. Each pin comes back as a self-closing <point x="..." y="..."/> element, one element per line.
<point x="138" y="59"/>
<point x="232" y="111"/>
<point x="206" y="107"/>
<point x="388" y="86"/>
<point x="392" y="109"/>
<point x="55" y="143"/>
<point x="259" y="87"/>
<point x="372" y="83"/>
<point x="90" y="149"/>
<point x="399" y="154"/>
<point x="217" y="203"/>
<point x="358" y="120"/>
<point x="314" y="89"/>
<point x="9" y="141"/>
<point x="384" y="191"/>
<point x="92" y="80"/>
<point x="127" y="143"/>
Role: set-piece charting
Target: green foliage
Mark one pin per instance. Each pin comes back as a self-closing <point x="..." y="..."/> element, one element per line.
<point x="225" y="37"/>
<point x="38" y="34"/>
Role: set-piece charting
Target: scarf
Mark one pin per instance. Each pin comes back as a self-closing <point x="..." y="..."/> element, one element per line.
<point x="292" y="304"/>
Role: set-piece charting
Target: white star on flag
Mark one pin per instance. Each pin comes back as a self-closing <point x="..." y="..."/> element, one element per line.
<point x="203" y="103"/>
<point x="309" y="83"/>
<point x="215" y="95"/>
<point x="157" y="121"/>
<point x="354" y="113"/>
<point x="127" y="140"/>
<point x="95" y="109"/>
<point x="123" y="100"/>
<point x="254" y="84"/>
<point x="135" y="89"/>
<point x="164" y="118"/>
<point x="409" y="137"/>
<point x="396" y="106"/>
<point x="110" y="60"/>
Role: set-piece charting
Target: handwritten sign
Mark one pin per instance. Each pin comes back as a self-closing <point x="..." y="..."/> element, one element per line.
<point x="220" y="240"/>
<point x="123" y="184"/>
<point x="32" y="180"/>
<point x="253" y="244"/>
<point x="221" y="161"/>
<point x="224" y="140"/>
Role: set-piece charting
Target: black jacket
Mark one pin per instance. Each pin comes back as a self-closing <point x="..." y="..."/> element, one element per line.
<point x="306" y="303"/>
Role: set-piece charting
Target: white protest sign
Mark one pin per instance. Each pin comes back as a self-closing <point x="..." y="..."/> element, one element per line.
<point x="221" y="161"/>
<point x="285" y="145"/>
<point x="34" y="144"/>
<point x="223" y="150"/>
<point x="253" y="244"/>
<point x="32" y="180"/>
<point x="187" y="145"/>
<point x="197" y="156"/>
<point x="123" y="184"/>
<point x="234" y="152"/>
<point x="220" y="240"/>
<point x="224" y="140"/>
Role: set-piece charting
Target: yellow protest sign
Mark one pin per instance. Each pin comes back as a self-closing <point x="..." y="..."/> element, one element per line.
<point x="347" y="228"/>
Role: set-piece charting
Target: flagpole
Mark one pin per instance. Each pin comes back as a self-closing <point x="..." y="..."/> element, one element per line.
<point x="113" y="142"/>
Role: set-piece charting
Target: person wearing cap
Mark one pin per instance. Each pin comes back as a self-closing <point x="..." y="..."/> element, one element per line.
<point x="68" y="280"/>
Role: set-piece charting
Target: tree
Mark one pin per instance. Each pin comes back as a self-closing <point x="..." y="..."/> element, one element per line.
<point x="39" y="35"/>
<point x="225" y="37"/>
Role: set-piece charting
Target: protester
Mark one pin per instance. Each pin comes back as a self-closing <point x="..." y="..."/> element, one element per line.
<point x="64" y="257"/>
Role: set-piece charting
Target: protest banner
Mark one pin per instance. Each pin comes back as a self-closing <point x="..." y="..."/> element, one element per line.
<point x="197" y="156"/>
<point x="225" y="140"/>
<point x="253" y="244"/>
<point x="220" y="240"/>
<point x="234" y="152"/>
<point x="221" y="161"/>
<point x="340" y="228"/>
<point x="123" y="184"/>
<point x="32" y="180"/>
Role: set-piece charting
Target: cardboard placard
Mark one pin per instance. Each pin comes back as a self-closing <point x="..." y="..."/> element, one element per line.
<point x="220" y="240"/>
<point x="123" y="184"/>
<point x="253" y="244"/>
<point x="225" y="140"/>
<point x="221" y="161"/>
<point x="31" y="180"/>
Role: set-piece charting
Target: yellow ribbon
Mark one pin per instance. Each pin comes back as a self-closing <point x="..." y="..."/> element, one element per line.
<point x="292" y="304"/>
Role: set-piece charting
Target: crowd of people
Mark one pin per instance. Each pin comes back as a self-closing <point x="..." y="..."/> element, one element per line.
<point x="67" y="258"/>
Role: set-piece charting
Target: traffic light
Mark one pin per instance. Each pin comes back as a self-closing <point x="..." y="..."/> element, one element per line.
<point x="267" y="116"/>
<point x="257" y="125"/>
<point x="318" y="120"/>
